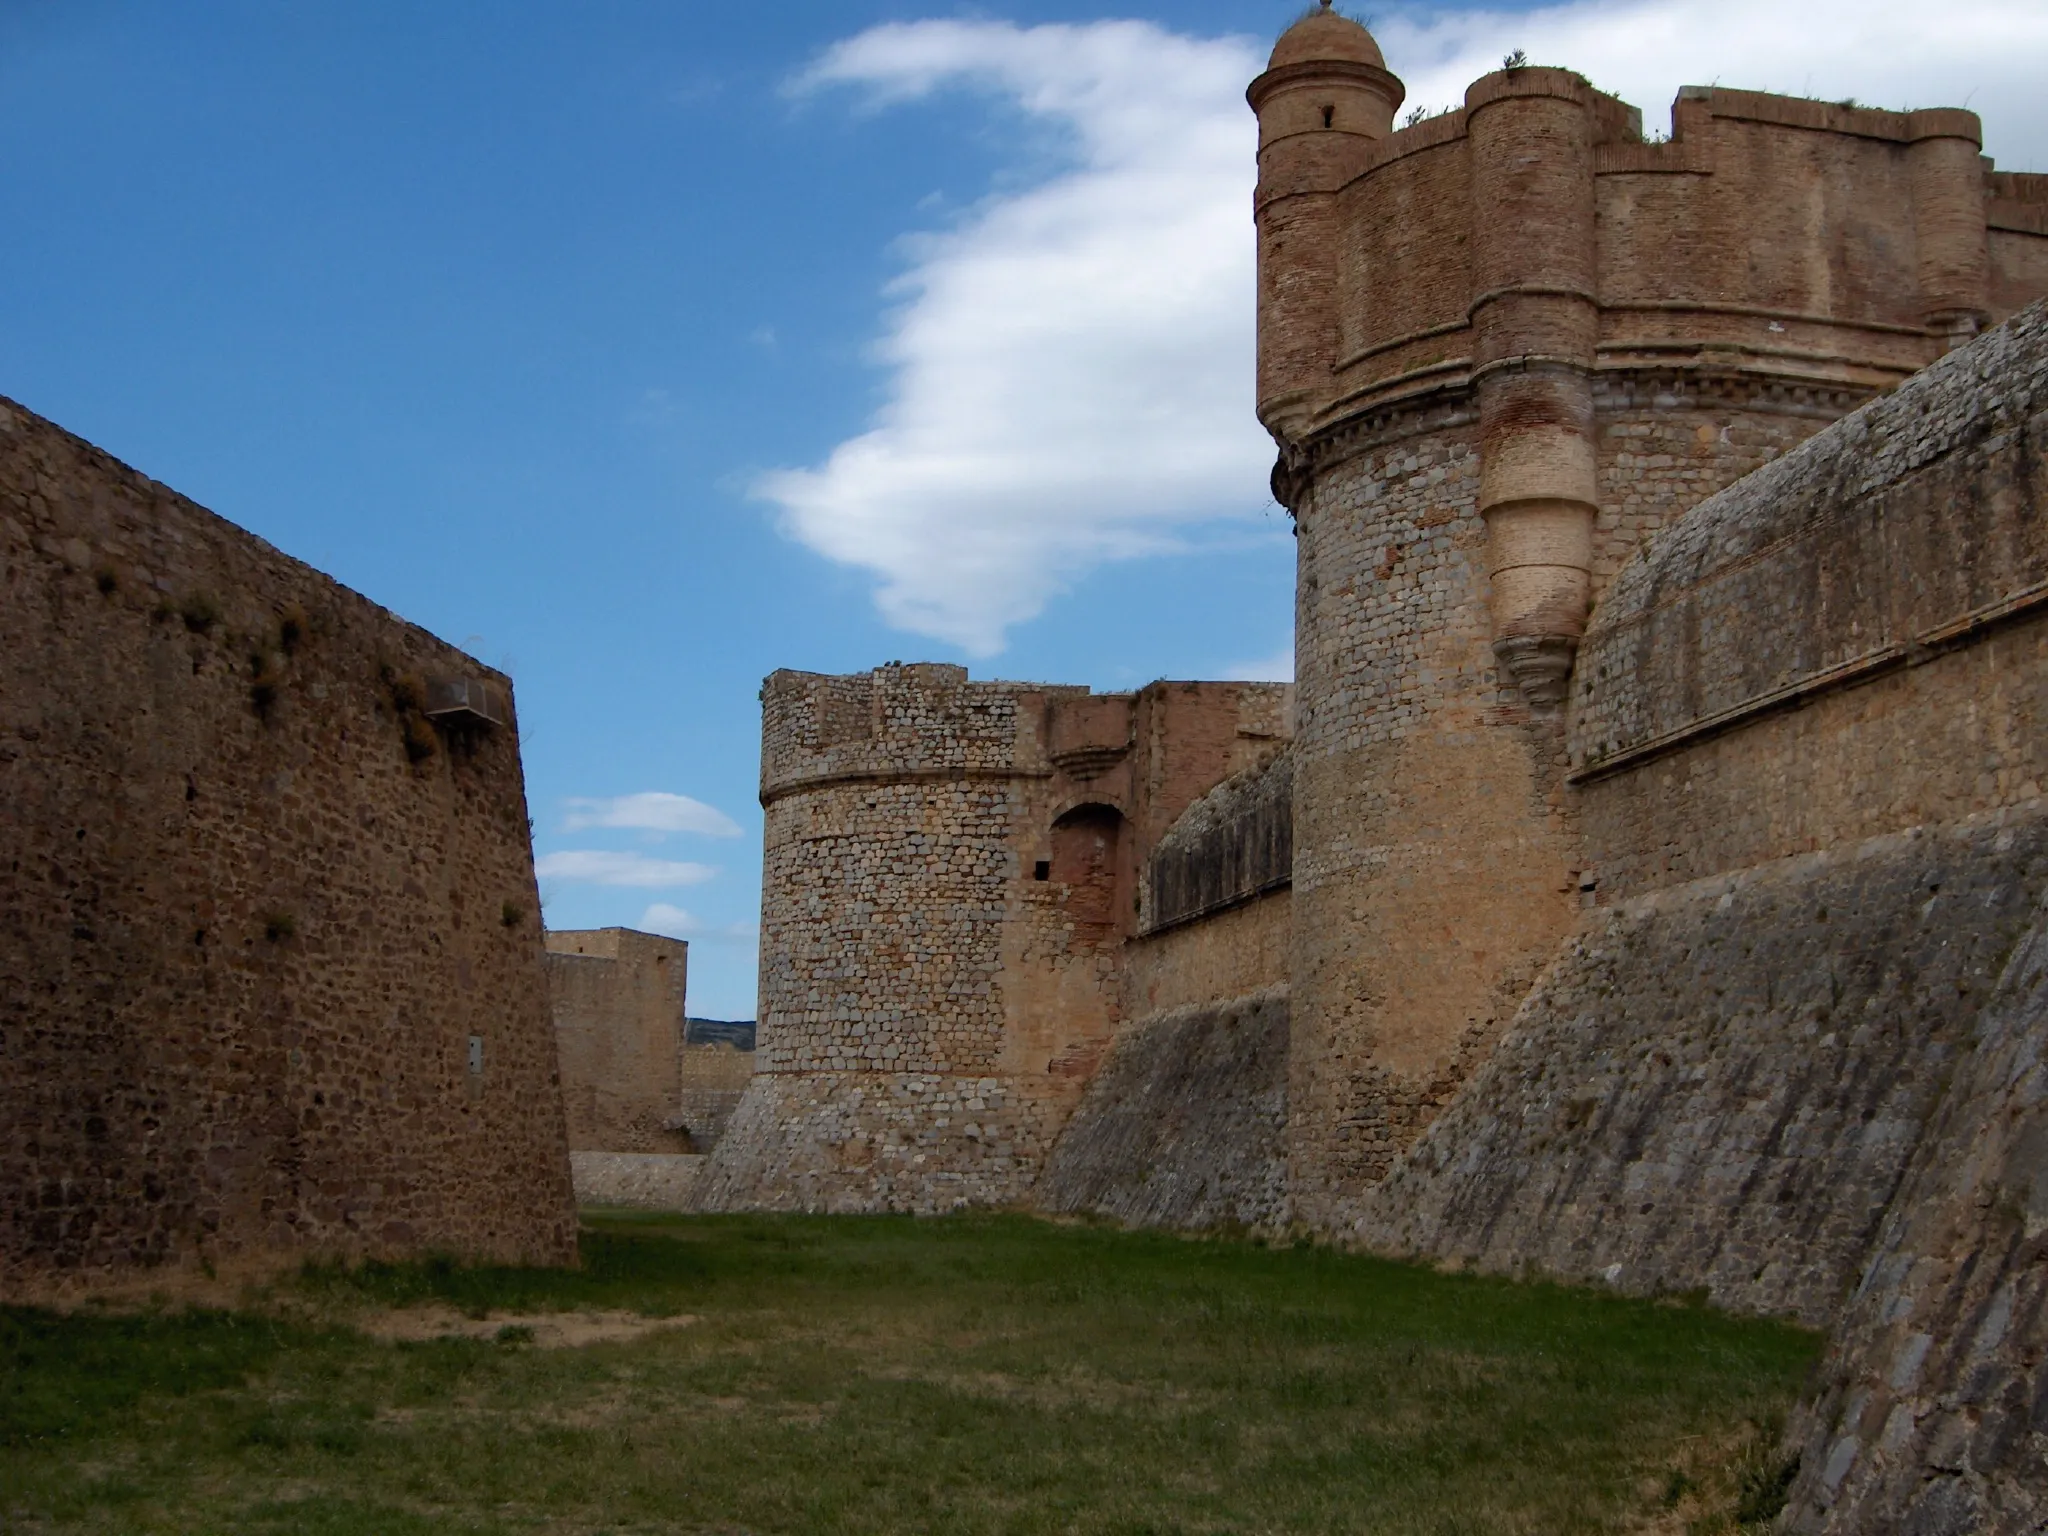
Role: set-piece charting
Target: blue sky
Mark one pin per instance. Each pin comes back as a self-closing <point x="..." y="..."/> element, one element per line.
<point x="645" y="348"/>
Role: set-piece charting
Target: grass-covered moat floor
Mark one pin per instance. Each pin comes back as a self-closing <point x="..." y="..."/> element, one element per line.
<point x="880" y="1374"/>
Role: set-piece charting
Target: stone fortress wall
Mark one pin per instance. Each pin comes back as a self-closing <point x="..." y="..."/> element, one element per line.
<point x="1650" y="889"/>
<point x="1500" y="349"/>
<point x="1785" y="1059"/>
<point x="647" y="1090"/>
<point x="618" y="999"/>
<point x="954" y="871"/>
<point x="271" y="981"/>
<point x="718" y="1063"/>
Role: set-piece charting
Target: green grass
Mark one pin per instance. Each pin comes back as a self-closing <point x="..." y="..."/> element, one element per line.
<point x="973" y="1374"/>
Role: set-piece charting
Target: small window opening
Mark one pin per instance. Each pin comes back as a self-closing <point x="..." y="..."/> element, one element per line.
<point x="1329" y="116"/>
<point x="1042" y="870"/>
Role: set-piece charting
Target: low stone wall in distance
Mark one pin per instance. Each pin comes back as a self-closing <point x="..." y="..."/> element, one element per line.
<point x="647" y="1181"/>
<point x="717" y="1065"/>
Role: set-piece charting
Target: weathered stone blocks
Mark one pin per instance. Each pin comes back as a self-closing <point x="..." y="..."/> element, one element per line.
<point x="270" y="959"/>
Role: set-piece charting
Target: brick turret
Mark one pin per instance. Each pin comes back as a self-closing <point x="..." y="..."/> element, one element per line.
<point x="1325" y="99"/>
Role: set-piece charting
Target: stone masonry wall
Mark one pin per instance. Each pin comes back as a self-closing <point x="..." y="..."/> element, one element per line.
<point x="1722" y="1084"/>
<point x="270" y="968"/>
<point x="714" y="1077"/>
<point x="1790" y="1057"/>
<point x="1234" y="844"/>
<point x="1479" y="421"/>
<point x="1425" y="790"/>
<point x="1183" y="1126"/>
<point x="1902" y="558"/>
<point x="949" y="885"/>
<point x="1933" y="1409"/>
<point x="618" y="1001"/>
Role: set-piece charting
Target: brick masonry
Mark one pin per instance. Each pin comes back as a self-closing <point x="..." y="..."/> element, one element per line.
<point x="270" y="964"/>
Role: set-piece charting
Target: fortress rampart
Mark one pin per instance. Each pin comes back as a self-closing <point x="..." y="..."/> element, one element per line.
<point x="1650" y="889"/>
<point x="270" y="968"/>
<point x="1786" y="1057"/>
<point x="1500" y="349"/>
<point x="953" y="872"/>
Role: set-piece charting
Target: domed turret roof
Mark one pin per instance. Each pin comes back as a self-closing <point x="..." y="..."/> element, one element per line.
<point x="1323" y="35"/>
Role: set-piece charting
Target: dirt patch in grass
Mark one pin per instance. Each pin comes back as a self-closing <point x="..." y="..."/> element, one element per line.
<point x="543" y="1330"/>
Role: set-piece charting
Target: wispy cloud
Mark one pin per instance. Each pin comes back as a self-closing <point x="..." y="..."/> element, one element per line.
<point x="593" y="866"/>
<point x="676" y="923"/>
<point x="1071" y="362"/>
<point x="650" y="811"/>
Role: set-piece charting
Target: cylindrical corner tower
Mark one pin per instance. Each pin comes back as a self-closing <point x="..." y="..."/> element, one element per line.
<point x="1501" y="347"/>
<point x="1325" y="99"/>
<point x="944" y="893"/>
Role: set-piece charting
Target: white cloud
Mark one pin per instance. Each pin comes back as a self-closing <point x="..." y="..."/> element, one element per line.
<point x="650" y="811"/>
<point x="1072" y="362"/>
<point x="593" y="866"/>
<point x="676" y="923"/>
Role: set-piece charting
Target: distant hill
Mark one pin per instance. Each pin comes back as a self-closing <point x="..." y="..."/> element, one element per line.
<point x="738" y="1033"/>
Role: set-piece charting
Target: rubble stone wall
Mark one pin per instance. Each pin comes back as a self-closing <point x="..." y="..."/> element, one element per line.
<point x="271" y="978"/>
<point x="1789" y="1057"/>
<point x="1183" y="1126"/>
<point x="951" y="881"/>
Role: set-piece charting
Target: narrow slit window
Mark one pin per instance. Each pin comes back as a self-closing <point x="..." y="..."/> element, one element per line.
<point x="1042" y="870"/>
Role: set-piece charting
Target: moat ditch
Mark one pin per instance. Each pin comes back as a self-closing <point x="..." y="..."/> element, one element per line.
<point x="977" y="1373"/>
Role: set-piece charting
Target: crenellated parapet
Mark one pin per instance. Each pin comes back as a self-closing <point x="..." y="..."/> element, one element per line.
<point x="900" y="722"/>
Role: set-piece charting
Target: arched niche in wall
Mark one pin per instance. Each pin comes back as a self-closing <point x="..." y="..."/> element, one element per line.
<point x="1091" y="866"/>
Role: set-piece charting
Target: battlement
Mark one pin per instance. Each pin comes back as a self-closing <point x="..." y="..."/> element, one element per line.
<point x="899" y="722"/>
<point x="1765" y="234"/>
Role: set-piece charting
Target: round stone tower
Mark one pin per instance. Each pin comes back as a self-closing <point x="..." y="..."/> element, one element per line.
<point x="1500" y="346"/>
